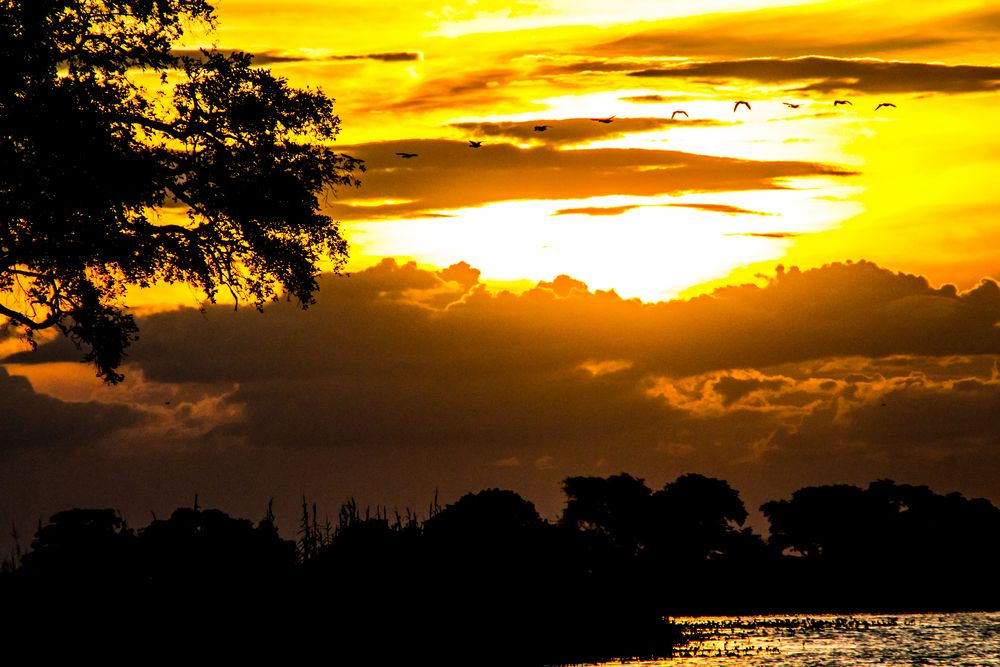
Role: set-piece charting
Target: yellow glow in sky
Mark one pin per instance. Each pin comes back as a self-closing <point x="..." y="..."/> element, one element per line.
<point x="910" y="186"/>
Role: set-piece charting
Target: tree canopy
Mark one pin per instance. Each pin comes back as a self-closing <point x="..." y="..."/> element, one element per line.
<point x="125" y="162"/>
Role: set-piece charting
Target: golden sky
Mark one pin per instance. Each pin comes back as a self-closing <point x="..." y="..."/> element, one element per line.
<point x="591" y="298"/>
<point x="633" y="205"/>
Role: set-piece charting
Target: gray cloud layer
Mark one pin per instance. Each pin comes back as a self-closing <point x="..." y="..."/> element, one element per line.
<point x="405" y="378"/>
<point x="834" y="74"/>
<point x="279" y="57"/>
<point x="32" y="420"/>
<point x="618" y="210"/>
<point x="448" y="174"/>
<point x="876" y="29"/>
<point x="578" y="130"/>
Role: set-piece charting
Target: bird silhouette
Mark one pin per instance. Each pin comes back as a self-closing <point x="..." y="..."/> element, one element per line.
<point x="679" y="111"/>
<point x="791" y="106"/>
<point x="737" y="105"/>
<point x="407" y="156"/>
<point x="838" y="102"/>
<point x="604" y="120"/>
<point x="475" y="144"/>
<point x="542" y="128"/>
<point x="885" y="104"/>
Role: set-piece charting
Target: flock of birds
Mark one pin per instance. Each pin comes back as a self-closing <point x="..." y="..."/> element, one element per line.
<point x="678" y="112"/>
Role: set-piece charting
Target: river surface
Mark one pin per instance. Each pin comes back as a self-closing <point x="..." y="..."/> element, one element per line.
<point x="952" y="640"/>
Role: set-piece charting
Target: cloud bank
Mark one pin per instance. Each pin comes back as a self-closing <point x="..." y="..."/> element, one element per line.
<point x="844" y="373"/>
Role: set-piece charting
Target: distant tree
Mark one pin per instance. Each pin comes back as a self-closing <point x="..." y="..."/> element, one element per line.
<point x="491" y="515"/>
<point x="697" y="517"/>
<point x="885" y="522"/>
<point x="488" y="543"/>
<point x="818" y="520"/>
<point x="616" y="507"/>
<point x="196" y="545"/>
<point x="83" y="546"/>
<point x="210" y="176"/>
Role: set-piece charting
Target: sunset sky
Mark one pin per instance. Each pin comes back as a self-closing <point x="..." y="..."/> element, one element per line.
<point x="778" y="296"/>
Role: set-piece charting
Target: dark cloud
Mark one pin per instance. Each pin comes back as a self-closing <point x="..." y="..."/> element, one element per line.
<point x="597" y="210"/>
<point x="987" y="21"/>
<point x="279" y="57"/>
<point x="470" y="90"/>
<point x="406" y="379"/>
<point x="835" y="74"/>
<point x="584" y="65"/>
<point x="732" y="389"/>
<point x="719" y="208"/>
<point x="787" y="32"/>
<point x="448" y="174"/>
<point x="578" y="130"/>
<point x="838" y="310"/>
<point x="652" y="99"/>
<point x="391" y="57"/>
<point x="32" y="420"/>
<point x="864" y="310"/>
<point x="842" y="420"/>
<point x="618" y="210"/>
<point x="767" y="235"/>
<point x="702" y="43"/>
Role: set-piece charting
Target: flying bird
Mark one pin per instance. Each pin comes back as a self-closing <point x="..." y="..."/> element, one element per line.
<point x="604" y="120"/>
<point x="475" y="144"/>
<point x="791" y="106"/>
<point x="679" y="111"/>
<point x="737" y="105"/>
<point x="837" y="102"/>
<point x="407" y="156"/>
<point x="542" y="128"/>
<point x="885" y="104"/>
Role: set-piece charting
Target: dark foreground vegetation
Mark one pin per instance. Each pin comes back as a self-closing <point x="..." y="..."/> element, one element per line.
<point x="486" y="580"/>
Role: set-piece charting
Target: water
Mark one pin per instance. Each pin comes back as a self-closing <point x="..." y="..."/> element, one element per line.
<point x="952" y="640"/>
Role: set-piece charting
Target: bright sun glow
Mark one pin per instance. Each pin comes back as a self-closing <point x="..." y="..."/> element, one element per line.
<point x="652" y="251"/>
<point x="494" y="62"/>
<point x="486" y="17"/>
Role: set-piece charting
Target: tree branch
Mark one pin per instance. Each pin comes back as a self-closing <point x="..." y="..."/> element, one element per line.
<point x="26" y="321"/>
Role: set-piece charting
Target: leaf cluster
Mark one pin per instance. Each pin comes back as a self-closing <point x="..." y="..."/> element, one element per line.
<point x="127" y="164"/>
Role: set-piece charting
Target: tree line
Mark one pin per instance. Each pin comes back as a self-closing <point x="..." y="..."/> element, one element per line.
<point x="488" y="573"/>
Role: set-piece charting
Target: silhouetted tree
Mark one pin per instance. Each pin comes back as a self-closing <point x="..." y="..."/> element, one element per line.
<point x="492" y="514"/>
<point x="616" y="507"/>
<point x="105" y="183"/>
<point x="818" y="520"/>
<point x="208" y="546"/>
<point x="83" y="547"/>
<point x="491" y="536"/>
<point x="696" y="518"/>
<point x="366" y="543"/>
<point x="889" y="546"/>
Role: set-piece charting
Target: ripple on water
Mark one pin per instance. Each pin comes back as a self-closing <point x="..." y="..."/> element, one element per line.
<point x="945" y="640"/>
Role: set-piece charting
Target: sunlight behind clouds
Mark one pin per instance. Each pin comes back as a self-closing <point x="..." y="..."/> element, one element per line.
<point x="653" y="249"/>
<point x="478" y="16"/>
<point x="562" y="62"/>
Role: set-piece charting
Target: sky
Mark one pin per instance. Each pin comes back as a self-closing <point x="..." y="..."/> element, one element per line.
<point x="784" y="293"/>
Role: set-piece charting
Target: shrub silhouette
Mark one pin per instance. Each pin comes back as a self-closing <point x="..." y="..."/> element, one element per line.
<point x="210" y="548"/>
<point x="80" y="547"/>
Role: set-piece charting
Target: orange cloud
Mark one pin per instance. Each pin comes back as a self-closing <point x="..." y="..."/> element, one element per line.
<point x="577" y="130"/>
<point x="449" y="175"/>
<point x="824" y="74"/>
<point x="415" y="378"/>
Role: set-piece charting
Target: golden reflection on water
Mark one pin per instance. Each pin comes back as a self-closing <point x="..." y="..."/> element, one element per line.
<point x="944" y="640"/>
